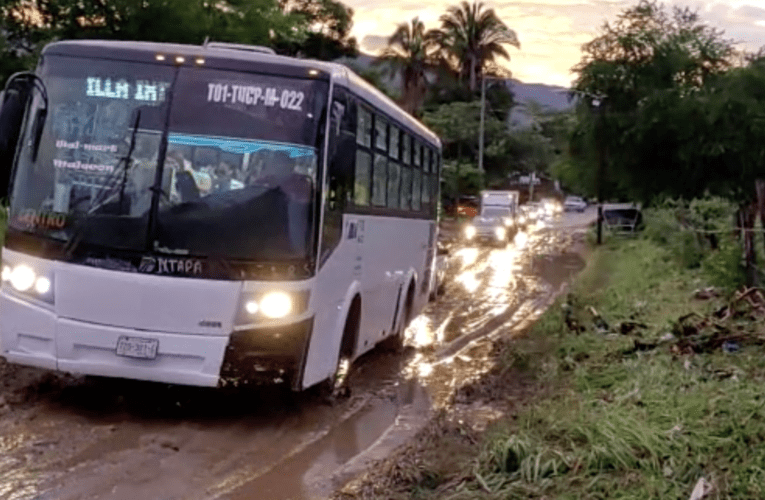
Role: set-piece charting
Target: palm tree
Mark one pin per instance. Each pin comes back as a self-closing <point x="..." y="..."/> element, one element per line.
<point x="410" y="52"/>
<point x="471" y="38"/>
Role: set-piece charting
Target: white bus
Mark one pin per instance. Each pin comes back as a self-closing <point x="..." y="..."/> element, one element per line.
<point x="200" y="214"/>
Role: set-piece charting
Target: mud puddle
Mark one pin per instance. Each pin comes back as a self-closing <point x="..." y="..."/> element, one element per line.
<point x="65" y="438"/>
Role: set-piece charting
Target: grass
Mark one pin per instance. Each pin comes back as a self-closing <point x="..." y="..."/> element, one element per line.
<point x="617" y="416"/>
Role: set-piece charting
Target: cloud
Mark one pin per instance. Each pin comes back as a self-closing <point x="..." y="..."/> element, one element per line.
<point x="751" y="12"/>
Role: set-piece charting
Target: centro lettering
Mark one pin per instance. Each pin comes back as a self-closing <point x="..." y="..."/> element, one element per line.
<point x="41" y="219"/>
<point x="177" y="266"/>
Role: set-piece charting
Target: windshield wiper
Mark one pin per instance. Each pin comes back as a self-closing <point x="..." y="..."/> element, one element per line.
<point x="126" y="162"/>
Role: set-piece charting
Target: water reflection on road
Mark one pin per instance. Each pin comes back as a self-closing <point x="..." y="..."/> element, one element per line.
<point x="136" y="440"/>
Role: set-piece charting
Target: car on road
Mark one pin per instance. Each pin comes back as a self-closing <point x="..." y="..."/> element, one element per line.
<point x="495" y="225"/>
<point x="574" y="203"/>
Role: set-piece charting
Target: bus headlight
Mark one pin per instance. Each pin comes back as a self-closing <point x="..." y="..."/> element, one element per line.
<point x="252" y="307"/>
<point x="275" y="305"/>
<point x="42" y="285"/>
<point x="23" y="278"/>
<point x="500" y="233"/>
<point x="469" y="232"/>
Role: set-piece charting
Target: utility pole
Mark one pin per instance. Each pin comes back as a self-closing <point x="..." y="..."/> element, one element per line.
<point x="480" y="132"/>
<point x="600" y="104"/>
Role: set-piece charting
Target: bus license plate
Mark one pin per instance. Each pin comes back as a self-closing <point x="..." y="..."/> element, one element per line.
<point x="137" y="347"/>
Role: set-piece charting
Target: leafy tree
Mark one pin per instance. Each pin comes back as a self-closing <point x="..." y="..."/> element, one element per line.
<point x="326" y="27"/>
<point x="411" y="54"/>
<point x="471" y="38"/>
<point x="647" y="49"/>
<point x="645" y="70"/>
<point x="374" y="76"/>
<point x="316" y="28"/>
<point x="30" y="22"/>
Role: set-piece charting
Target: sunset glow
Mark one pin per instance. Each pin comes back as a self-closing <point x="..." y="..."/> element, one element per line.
<point x="551" y="32"/>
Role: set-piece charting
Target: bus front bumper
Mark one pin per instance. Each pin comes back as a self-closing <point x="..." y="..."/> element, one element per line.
<point x="32" y="335"/>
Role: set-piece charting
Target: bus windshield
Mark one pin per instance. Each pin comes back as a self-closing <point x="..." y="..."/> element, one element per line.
<point x="238" y="179"/>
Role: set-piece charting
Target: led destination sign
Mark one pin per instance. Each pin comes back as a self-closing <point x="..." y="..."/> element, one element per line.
<point x="141" y="90"/>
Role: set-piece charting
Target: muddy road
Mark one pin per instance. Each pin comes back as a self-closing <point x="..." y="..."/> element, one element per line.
<point x="75" y="438"/>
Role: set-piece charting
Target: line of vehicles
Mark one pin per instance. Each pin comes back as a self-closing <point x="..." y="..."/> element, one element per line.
<point x="500" y="217"/>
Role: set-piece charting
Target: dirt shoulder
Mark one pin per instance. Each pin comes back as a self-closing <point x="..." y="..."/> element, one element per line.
<point x="438" y="459"/>
<point x="649" y="387"/>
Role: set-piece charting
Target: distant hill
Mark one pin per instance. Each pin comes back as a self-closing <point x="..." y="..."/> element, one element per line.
<point x="549" y="97"/>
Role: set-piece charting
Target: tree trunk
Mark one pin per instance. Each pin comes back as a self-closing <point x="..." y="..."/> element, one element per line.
<point x="748" y="216"/>
<point x="473" y="82"/>
<point x="759" y="187"/>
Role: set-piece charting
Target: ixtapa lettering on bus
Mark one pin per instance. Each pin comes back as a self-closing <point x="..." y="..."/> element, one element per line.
<point x="164" y="265"/>
<point x="61" y="144"/>
<point x="78" y="165"/>
<point x="41" y="219"/>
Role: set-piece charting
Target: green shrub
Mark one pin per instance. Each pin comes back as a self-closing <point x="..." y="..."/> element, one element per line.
<point x="725" y="268"/>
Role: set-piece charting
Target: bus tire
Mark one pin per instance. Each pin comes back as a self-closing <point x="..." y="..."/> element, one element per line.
<point x="395" y="342"/>
<point x="335" y="386"/>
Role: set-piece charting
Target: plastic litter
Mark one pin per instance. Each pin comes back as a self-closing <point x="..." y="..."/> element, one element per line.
<point x="701" y="490"/>
<point x="730" y="346"/>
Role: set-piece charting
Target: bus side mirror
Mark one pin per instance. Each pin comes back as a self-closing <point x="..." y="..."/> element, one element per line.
<point x="14" y="101"/>
<point x="11" y="115"/>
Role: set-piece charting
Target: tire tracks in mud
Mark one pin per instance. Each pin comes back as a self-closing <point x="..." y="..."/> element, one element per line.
<point x="133" y="440"/>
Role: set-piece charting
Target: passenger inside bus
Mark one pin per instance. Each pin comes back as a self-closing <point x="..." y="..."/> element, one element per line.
<point x="280" y="172"/>
<point x="270" y="214"/>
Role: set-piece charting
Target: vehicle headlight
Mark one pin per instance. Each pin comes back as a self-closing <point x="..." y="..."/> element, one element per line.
<point x="501" y="233"/>
<point x="276" y="305"/>
<point x="469" y="232"/>
<point x="24" y="279"/>
<point x="42" y="285"/>
<point x="252" y="307"/>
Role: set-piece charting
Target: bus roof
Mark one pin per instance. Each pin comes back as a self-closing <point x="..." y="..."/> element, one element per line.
<point x="239" y="58"/>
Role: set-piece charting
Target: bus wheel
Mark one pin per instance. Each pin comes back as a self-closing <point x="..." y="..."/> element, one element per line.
<point x="335" y="387"/>
<point x="395" y="342"/>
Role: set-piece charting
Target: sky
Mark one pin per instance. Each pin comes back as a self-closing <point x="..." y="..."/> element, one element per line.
<point x="551" y="32"/>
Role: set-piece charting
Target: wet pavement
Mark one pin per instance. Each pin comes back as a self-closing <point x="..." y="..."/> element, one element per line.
<point x="68" y="438"/>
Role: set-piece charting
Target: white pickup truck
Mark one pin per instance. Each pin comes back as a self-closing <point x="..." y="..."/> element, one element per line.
<point x="497" y="221"/>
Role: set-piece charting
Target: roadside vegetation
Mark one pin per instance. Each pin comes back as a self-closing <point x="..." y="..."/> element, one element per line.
<point x="644" y="380"/>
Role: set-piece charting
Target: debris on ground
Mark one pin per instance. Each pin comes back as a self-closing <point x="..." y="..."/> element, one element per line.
<point x="600" y="324"/>
<point x="627" y="327"/>
<point x="707" y="293"/>
<point x="728" y="328"/>
<point x="702" y="490"/>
